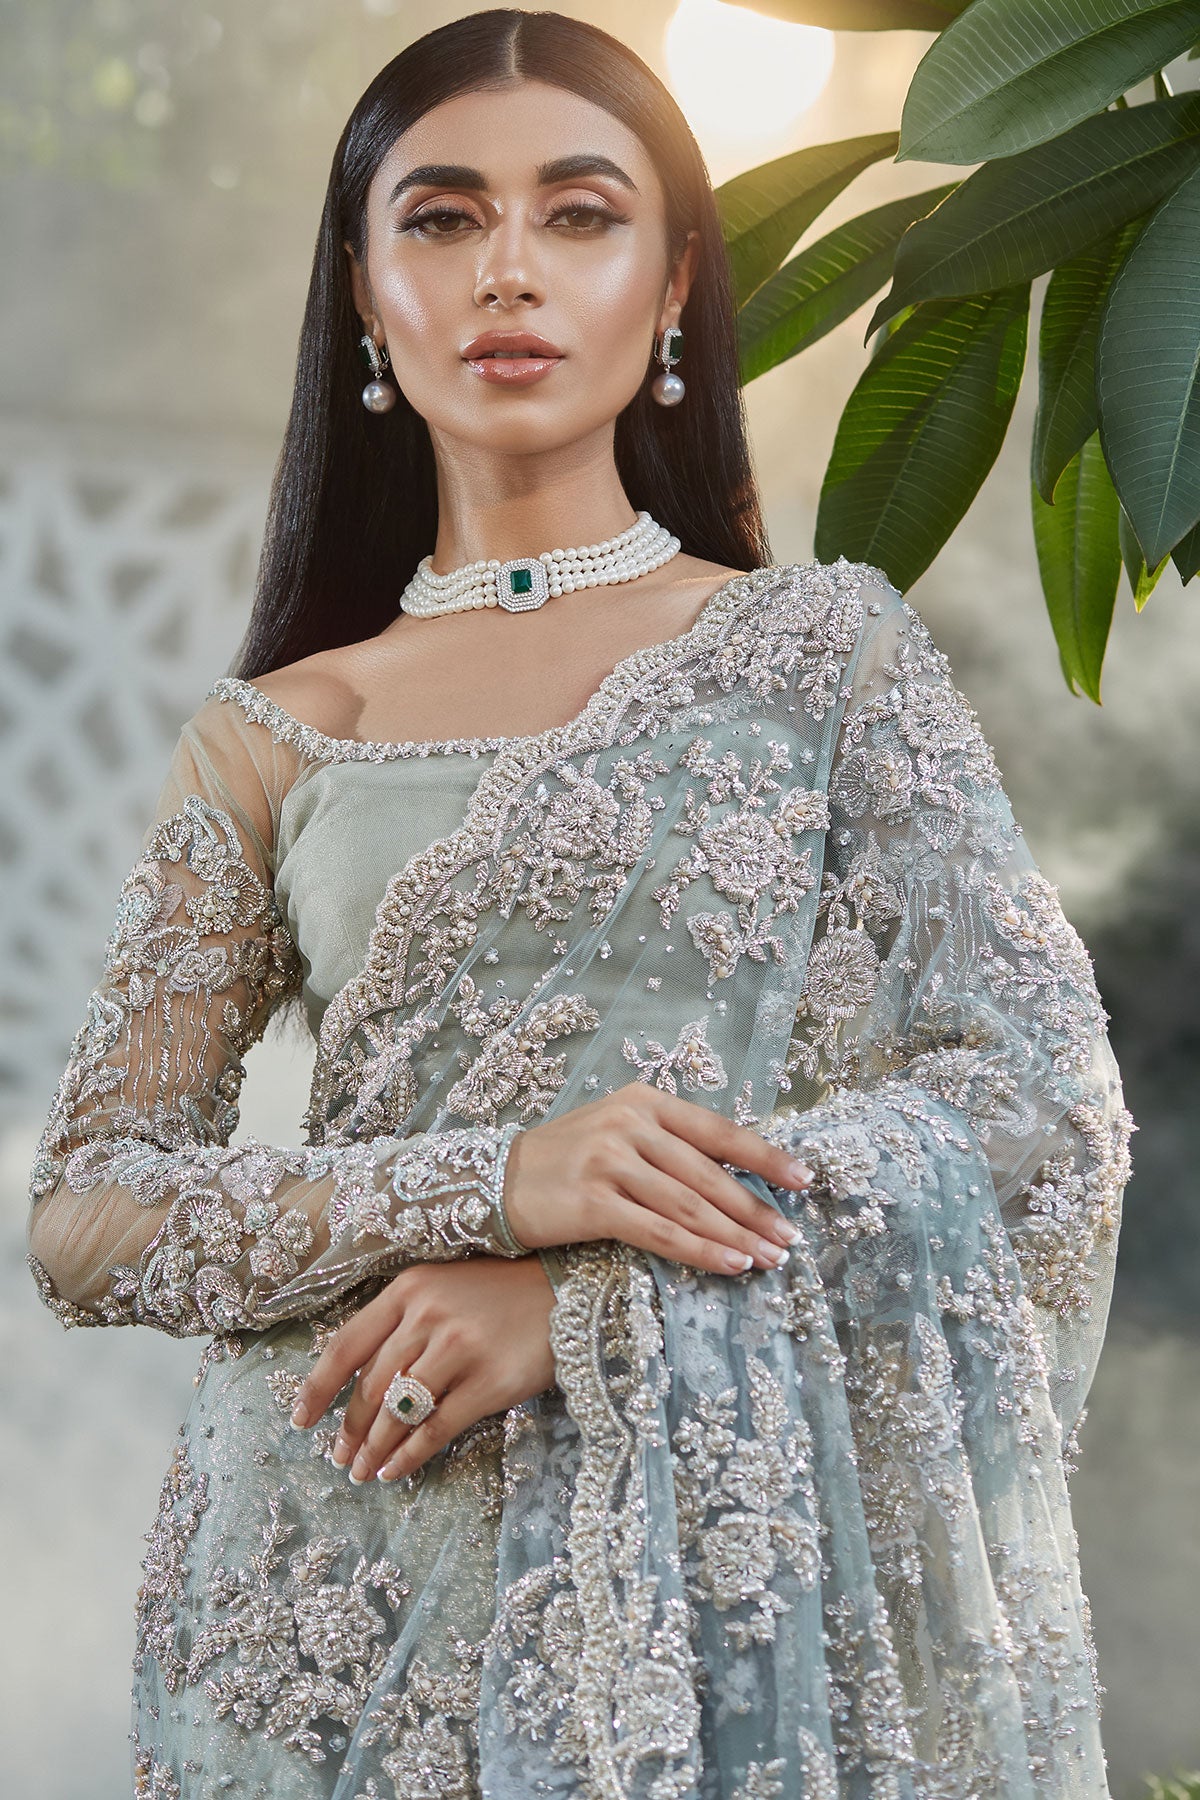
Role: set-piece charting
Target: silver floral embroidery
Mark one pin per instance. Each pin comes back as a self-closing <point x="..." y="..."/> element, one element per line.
<point x="691" y="1060"/>
<point x="764" y="1497"/>
<point x="747" y="855"/>
<point x="915" y="1057"/>
<point x="512" y="1065"/>
<point x="295" y="1652"/>
<point x="182" y="1500"/>
<point x="227" y="1236"/>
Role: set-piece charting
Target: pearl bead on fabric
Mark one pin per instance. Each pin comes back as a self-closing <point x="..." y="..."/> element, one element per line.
<point x="523" y="583"/>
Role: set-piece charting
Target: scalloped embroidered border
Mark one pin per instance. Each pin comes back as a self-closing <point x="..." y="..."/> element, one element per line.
<point x="397" y="915"/>
<point x="285" y="728"/>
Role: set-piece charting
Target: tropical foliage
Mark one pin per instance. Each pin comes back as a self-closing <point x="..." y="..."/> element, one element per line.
<point x="1073" y="182"/>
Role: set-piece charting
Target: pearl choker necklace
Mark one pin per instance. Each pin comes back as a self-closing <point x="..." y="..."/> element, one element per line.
<point x="525" y="582"/>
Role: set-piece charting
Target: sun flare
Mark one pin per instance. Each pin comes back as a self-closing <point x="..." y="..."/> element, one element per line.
<point x="743" y="79"/>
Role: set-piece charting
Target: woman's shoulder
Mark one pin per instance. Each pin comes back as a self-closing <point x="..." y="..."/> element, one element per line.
<point x="312" y="706"/>
<point x="320" y="689"/>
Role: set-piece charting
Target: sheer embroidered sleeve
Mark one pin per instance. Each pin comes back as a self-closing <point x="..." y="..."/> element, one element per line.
<point x="945" y="979"/>
<point x="142" y="1212"/>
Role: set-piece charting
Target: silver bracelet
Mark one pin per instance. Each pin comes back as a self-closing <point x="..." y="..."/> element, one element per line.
<point x="512" y="1245"/>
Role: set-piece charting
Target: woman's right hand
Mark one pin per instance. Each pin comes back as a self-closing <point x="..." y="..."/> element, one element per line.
<point x="645" y="1166"/>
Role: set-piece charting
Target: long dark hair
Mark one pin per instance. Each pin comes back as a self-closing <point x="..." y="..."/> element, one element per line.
<point x="353" y="503"/>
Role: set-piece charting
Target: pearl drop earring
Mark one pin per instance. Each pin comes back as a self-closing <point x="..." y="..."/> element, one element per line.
<point x="378" y="396"/>
<point x="667" y="388"/>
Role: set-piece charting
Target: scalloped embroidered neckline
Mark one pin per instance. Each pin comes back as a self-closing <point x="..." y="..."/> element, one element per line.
<point x="317" y="745"/>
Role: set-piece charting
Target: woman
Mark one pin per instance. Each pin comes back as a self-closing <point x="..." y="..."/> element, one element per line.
<point x="644" y="933"/>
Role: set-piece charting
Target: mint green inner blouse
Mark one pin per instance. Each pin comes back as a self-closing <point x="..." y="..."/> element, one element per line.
<point x="344" y="830"/>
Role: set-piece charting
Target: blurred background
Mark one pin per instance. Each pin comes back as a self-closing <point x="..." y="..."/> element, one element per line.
<point x="164" y="166"/>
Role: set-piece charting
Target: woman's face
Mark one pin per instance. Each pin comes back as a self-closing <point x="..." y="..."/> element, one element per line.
<point x="486" y="233"/>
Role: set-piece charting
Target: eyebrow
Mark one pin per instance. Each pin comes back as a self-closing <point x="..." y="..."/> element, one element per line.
<point x="559" y="168"/>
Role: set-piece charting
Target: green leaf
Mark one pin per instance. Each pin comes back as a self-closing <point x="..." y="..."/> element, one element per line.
<point x="824" y="284"/>
<point x="1067" y="412"/>
<point x="1148" y="375"/>
<point x="1079" y="558"/>
<point x="862" y="15"/>
<point x="1021" y="215"/>
<point x="889" y="330"/>
<point x="1009" y="74"/>
<point x="766" y="210"/>
<point x="920" y="431"/>
<point x="1186" y="554"/>
<point x="1142" y="580"/>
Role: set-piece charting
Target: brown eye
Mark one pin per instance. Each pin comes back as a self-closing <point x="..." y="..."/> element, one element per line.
<point x="579" y="209"/>
<point x="419" y="221"/>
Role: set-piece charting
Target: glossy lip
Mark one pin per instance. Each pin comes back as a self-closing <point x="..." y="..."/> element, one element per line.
<point x="509" y="340"/>
<point x="515" y="371"/>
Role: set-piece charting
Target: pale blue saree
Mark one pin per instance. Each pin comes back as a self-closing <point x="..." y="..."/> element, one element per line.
<point x="795" y="1535"/>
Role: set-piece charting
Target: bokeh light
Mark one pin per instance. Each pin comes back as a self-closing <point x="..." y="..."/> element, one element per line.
<point x="744" y="80"/>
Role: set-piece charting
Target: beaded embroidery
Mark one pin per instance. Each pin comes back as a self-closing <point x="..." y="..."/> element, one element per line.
<point x="320" y="748"/>
<point x="793" y="1531"/>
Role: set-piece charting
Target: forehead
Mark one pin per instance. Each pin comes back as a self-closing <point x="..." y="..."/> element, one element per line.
<point x="507" y="133"/>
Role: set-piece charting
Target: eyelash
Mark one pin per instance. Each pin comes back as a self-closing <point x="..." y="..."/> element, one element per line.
<point x="447" y="212"/>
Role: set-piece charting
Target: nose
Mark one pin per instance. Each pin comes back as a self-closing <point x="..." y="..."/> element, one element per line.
<point x="506" y="266"/>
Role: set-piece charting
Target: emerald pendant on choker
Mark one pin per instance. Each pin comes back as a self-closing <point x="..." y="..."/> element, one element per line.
<point x="522" y="584"/>
<point x="525" y="582"/>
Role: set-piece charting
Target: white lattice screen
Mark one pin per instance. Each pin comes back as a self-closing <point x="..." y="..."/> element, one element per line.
<point x="126" y="569"/>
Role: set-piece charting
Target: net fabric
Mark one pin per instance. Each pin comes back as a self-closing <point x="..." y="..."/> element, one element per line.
<point x="942" y="959"/>
<point x="142" y="1211"/>
<point x="804" y="1531"/>
<point x="820" y="1537"/>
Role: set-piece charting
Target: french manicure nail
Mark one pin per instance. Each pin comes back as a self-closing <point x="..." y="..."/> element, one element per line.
<point x="799" y="1171"/>
<point x="340" y="1452"/>
<point x="299" y="1414"/>
<point x="359" y="1480"/>
<point x="737" y="1259"/>
<point x="772" y="1252"/>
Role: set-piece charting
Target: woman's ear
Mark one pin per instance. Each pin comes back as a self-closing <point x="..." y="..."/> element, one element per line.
<point x="360" y="290"/>
<point x="679" y="285"/>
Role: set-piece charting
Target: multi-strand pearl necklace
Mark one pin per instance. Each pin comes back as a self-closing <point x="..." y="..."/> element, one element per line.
<point x="528" y="581"/>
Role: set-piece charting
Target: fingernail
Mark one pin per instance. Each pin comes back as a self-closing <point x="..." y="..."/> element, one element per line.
<point x="359" y="1479"/>
<point x="794" y="1233"/>
<point x="340" y="1452"/>
<point x="772" y="1252"/>
<point x="736" y="1259"/>
<point x="300" y="1414"/>
<point x="388" y="1475"/>
<point x="799" y="1171"/>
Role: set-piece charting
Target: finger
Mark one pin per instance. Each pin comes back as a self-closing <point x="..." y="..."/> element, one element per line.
<point x="386" y="1432"/>
<point x="728" y="1142"/>
<point x="400" y="1348"/>
<point x="688" y="1210"/>
<point x="463" y="1405"/>
<point x="347" y="1350"/>
<point x="701" y="1175"/>
<point x="635" y="1224"/>
<point x="356" y="1420"/>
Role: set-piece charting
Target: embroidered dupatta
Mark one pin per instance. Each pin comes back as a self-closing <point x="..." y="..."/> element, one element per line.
<point x="868" y="1444"/>
<point x="800" y="1532"/>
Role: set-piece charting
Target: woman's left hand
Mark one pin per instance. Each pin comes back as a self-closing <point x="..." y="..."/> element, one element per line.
<point x="475" y="1331"/>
